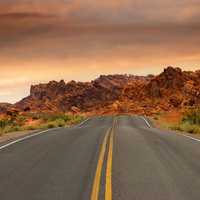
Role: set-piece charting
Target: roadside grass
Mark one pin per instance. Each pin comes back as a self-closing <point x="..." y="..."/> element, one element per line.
<point x="33" y="121"/>
<point x="187" y="127"/>
<point x="190" y="122"/>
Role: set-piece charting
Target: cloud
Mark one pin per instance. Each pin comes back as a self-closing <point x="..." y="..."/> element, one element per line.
<point x="81" y="39"/>
<point x="112" y="11"/>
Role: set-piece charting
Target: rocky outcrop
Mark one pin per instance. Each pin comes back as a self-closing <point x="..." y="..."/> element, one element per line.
<point x="170" y="80"/>
<point x="61" y="96"/>
<point x="4" y="107"/>
<point x="179" y="87"/>
<point x="171" y="89"/>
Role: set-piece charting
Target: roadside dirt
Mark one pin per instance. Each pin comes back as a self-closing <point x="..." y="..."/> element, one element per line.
<point x="15" y="135"/>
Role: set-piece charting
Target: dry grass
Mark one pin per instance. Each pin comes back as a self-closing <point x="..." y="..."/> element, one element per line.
<point x="167" y="119"/>
<point x="190" y="122"/>
<point x="187" y="121"/>
<point x="32" y="121"/>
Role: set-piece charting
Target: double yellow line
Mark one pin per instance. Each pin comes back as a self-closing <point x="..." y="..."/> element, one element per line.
<point x="97" y="178"/>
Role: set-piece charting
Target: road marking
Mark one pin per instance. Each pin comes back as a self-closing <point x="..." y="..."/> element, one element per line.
<point x="108" y="187"/>
<point x="187" y="136"/>
<point x="97" y="179"/>
<point x="147" y="123"/>
<point x="83" y="122"/>
<point x="25" y="138"/>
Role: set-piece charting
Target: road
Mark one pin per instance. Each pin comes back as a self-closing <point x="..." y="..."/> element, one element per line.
<point x="105" y="158"/>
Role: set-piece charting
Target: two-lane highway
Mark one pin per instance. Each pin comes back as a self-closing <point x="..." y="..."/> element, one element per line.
<point x="105" y="158"/>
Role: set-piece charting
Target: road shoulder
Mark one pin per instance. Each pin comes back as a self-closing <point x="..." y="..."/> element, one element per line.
<point x="10" y="137"/>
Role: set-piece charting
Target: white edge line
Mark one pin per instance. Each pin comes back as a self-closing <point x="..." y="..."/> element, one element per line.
<point x="146" y="121"/>
<point x="83" y="122"/>
<point x="25" y="138"/>
<point x="184" y="135"/>
<point x="187" y="136"/>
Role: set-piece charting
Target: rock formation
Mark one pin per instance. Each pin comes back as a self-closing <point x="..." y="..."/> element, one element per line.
<point x="172" y="89"/>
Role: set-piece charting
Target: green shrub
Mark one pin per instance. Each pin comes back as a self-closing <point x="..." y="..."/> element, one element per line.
<point x="194" y="129"/>
<point x="76" y="119"/>
<point x="11" y="128"/>
<point x="47" y="121"/>
<point x="56" y="123"/>
<point x="21" y="119"/>
<point x="192" y="116"/>
<point x="31" y="127"/>
<point x="51" y="125"/>
<point x="60" y="122"/>
<point x="187" y="127"/>
<point x="4" y="123"/>
<point x="7" y="125"/>
<point x="190" y="122"/>
<point x="15" y="128"/>
<point x="35" y="117"/>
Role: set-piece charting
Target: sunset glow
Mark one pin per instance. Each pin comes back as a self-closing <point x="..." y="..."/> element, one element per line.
<point x="82" y="39"/>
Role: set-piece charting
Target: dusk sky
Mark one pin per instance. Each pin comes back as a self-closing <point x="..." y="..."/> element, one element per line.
<point x="81" y="39"/>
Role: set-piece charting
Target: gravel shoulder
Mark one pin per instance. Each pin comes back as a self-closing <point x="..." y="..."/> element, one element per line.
<point x="8" y="137"/>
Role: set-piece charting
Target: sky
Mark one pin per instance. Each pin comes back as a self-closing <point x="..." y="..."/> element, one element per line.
<point x="43" y="40"/>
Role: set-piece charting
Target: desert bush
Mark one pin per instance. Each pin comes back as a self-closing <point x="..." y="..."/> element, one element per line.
<point x="50" y="125"/>
<point x="189" y="128"/>
<point x="47" y="121"/>
<point x="50" y="117"/>
<point x="6" y="125"/>
<point x="20" y="120"/>
<point x="58" y="123"/>
<point x="190" y="122"/>
<point x="155" y="118"/>
<point x="5" y="122"/>
<point x="12" y="128"/>
<point x="192" y="116"/>
<point x="31" y="127"/>
<point x="76" y="119"/>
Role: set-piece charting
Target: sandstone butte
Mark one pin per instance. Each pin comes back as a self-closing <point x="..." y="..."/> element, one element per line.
<point x="173" y="89"/>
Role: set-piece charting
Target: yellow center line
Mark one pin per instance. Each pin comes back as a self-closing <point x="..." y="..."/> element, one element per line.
<point x="108" y="187"/>
<point x="97" y="179"/>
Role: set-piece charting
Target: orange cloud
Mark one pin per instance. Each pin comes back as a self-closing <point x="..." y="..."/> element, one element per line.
<point x="81" y="39"/>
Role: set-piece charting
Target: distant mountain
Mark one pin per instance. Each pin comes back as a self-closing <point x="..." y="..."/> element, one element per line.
<point x="172" y="89"/>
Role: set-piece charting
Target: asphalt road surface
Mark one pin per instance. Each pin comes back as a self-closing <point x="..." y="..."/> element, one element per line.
<point x="104" y="158"/>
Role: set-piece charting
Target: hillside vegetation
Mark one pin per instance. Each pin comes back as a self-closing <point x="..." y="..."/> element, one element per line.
<point x="190" y="122"/>
<point x="32" y="121"/>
